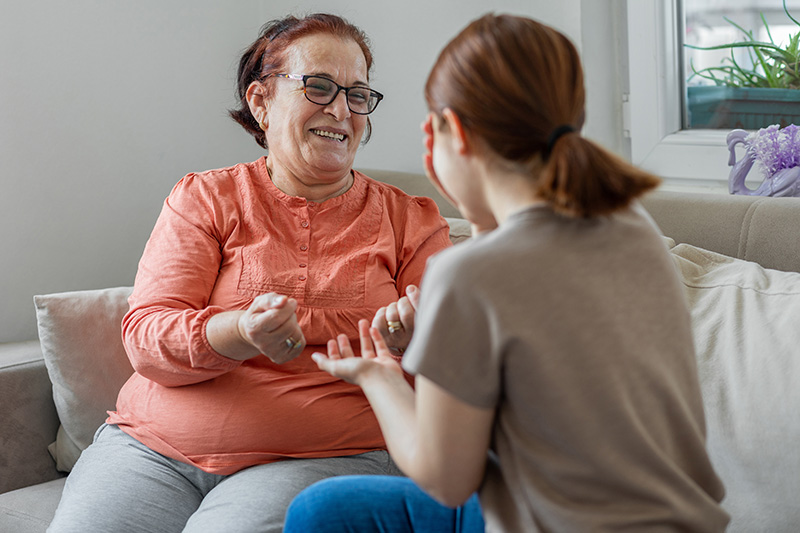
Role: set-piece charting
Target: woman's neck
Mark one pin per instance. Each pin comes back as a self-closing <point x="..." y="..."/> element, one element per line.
<point x="313" y="190"/>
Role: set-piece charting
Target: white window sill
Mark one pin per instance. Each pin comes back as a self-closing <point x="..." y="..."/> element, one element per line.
<point x="691" y="161"/>
<point x="694" y="161"/>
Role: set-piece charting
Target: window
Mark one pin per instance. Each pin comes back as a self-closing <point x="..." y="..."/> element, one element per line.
<point x="734" y="87"/>
<point x="687" y="159"/>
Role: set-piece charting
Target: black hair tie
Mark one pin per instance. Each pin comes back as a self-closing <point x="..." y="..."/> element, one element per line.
<point x="556" y="134"/>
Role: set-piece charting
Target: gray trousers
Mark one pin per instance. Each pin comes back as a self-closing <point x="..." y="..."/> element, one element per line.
<point x="121" y="485"/>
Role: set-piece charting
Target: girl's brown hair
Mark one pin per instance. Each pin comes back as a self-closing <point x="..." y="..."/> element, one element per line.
<point x="266" y="56"/>
<point x="517" y="85"/>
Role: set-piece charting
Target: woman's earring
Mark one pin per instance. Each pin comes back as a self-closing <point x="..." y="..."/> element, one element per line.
<point x="261" y="123"/>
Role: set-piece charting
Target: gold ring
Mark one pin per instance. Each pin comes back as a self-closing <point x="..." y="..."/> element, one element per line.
<point x="292" y="344"/>
<point x="394" y="325"/>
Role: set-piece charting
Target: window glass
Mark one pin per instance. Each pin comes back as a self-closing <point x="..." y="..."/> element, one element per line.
<point x="732" y="87"/>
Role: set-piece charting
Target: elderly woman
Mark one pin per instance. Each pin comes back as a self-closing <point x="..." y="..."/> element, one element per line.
<point x="248" y="271"/>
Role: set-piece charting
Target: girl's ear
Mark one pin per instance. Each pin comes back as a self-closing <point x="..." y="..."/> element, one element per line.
<point x="459" y="135"/>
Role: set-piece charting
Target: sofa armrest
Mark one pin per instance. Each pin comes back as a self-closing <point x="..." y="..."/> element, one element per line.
<point x="28" y="418"/>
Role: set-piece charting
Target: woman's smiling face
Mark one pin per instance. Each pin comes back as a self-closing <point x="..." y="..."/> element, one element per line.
<point x="313" y="143"/>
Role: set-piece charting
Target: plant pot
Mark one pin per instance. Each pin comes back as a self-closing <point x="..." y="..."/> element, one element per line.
<point x="745" y="108"/>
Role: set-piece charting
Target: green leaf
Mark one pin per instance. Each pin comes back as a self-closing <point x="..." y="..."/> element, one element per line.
<point x="774" y="66"/>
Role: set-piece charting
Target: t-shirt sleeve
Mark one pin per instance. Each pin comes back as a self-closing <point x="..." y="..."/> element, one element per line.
<point x="454" y="343"/>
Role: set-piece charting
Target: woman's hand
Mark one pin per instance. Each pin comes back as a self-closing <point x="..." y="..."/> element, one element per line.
<point x="395" y="322"/>
<point x="270" y="324"/>
<point x="375" y="357"/>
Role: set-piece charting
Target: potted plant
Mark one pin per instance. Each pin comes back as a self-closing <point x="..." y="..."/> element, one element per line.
<point x="749" y="97"/>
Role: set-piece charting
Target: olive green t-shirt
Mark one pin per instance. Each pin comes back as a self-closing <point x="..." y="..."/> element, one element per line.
<point x="577" y="333"/>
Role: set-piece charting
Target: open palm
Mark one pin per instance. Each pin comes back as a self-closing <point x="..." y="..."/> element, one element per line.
<point x="342" y="362"/>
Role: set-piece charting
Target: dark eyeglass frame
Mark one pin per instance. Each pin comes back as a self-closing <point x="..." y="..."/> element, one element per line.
<point x="374" y="96"/>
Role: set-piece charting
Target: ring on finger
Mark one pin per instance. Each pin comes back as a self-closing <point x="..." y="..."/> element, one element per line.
<point x="292" y="344"/>
<point x="394" y="325"/>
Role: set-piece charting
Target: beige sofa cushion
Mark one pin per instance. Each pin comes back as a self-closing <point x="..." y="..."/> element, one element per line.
<point x="746" y="322"/>
<point x="80" y="334"/>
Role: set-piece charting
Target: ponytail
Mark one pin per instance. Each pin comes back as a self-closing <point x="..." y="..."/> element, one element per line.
<point x="581" y="179"/>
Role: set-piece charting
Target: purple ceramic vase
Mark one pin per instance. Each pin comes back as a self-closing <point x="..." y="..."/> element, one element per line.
<point x="777" y="152"/>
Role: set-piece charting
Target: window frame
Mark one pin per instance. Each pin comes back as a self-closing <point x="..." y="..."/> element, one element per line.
<point x="687" y="160"/>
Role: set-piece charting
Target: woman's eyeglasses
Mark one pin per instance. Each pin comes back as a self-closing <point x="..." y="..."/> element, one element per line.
<point x="322" y="91"/>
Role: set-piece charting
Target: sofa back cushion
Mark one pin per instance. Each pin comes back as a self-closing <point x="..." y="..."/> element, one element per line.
<point x="753" y="228"/>
<point x="746" y="322"/>
<point x="80" y="334"/>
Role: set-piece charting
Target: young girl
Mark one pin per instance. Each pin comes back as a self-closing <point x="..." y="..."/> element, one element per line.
<point x="555" y="369"/>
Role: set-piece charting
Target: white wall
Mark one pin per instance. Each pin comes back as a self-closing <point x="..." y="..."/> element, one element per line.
<point x="105" y="105"/>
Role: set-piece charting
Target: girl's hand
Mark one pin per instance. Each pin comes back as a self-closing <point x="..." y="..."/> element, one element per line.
<point x="376" y="359"/>
<point x="270" y="324"/>
<point x="395" y="322"/>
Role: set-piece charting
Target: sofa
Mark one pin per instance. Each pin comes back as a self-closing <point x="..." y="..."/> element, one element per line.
<point x="738" y="257"/>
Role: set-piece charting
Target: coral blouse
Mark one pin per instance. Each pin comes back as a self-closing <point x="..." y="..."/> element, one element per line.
<point x="223" y="237"/>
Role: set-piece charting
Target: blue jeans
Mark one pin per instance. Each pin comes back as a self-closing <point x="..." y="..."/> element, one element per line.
<point x="385" y="504"/>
